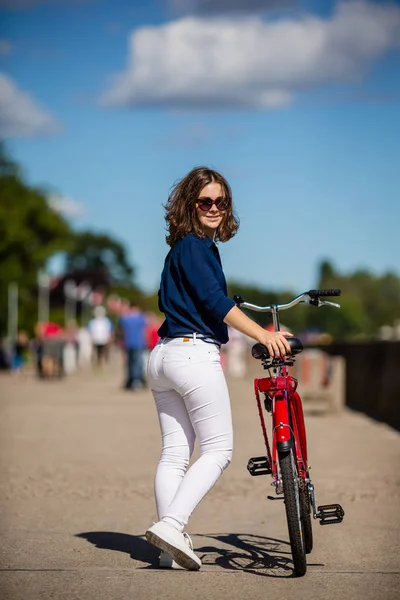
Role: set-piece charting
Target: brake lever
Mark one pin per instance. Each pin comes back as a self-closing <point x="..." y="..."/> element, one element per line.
<point x="327" y="303"/>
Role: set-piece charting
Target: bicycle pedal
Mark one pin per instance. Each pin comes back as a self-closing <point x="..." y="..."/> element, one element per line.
<point x="329" y="514"/>
<point x="259" y="465"/>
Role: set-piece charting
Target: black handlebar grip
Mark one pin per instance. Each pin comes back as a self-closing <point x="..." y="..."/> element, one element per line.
<point x="318" y="293"/>
<point x="238" y="299"/>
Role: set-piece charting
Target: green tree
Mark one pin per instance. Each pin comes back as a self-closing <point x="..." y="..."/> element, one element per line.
<point x="367" y="302"/>
<point x="100" y="252"/>
<point x="30" y="233"/>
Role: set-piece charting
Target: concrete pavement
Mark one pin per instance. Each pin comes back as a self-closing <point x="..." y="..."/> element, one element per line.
<point x="77" y="460"/>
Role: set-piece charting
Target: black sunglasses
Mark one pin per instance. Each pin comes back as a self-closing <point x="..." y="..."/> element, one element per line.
<point x="205" y="204"/>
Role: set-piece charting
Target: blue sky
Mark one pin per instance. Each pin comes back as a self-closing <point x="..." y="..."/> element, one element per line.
<point x="107" y="103"/>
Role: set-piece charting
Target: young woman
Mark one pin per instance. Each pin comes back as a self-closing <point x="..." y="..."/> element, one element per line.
<point x="184" y="369"/>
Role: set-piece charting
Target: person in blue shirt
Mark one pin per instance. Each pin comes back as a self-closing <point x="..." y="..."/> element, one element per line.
<point x="184" y="370"/>
<point x="132" y="326"/>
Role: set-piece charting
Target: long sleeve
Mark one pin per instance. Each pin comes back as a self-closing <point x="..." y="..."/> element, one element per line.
<point x="203" y="274"/>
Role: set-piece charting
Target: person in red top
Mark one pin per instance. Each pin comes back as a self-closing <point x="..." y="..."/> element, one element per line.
<point x="153" y="325"/>
<point x="151" y="337"/>
<point x="51" y="336"/>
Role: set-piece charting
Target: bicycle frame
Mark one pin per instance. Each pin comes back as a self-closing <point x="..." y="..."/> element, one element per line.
<point x="287" y="420"/>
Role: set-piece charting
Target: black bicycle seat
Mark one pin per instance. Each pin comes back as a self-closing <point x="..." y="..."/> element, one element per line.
<point x="261" y="352"/>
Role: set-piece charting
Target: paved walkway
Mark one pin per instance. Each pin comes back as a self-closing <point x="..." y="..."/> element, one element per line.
<point x="76" y="474"/>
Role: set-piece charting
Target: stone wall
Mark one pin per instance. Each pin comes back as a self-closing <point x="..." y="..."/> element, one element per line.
<point x="372" y="378"/>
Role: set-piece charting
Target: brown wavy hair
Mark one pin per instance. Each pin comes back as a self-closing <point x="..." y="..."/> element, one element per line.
<point x="181" y="215"/>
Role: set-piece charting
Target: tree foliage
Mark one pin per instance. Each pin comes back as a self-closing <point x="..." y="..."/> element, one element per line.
<point x="367" y="303"/>
<point x="92" y="251"/>
<point x="30" y="233"/>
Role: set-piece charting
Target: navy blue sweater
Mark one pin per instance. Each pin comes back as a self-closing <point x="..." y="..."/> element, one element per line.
<point x="193" y="293"/>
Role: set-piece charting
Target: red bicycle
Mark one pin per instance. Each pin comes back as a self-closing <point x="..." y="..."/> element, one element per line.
<point x="288" y="461"/>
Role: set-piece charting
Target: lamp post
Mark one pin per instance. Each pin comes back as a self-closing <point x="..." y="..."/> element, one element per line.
<point x="87" y="309"/>
<point x="43" y="281"/>
<point x="70" y="300"/>
<point x="83" y="294"/>
<point x="76" y="293"/>
<point x="12" y="325"/>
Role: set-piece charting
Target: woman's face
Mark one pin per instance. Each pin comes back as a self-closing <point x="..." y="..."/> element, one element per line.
<point x="211" y="198"/>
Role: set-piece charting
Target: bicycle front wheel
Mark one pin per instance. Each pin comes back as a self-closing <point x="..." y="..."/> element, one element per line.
<point x="291" y="491"/>
<point x="305" y="509"/>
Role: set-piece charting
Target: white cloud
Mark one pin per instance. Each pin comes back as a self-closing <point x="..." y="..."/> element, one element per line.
<point x="66" y="206"/>
<point x="226" y="62"/>
<point x="20" y="116"/>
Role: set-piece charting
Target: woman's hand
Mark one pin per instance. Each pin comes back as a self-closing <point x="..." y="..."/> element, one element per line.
<point x="276" y="342"/>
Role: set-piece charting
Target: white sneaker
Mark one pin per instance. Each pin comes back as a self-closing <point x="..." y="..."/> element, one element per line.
<point x="172" y="541"/>
<point x="166" y="560"/>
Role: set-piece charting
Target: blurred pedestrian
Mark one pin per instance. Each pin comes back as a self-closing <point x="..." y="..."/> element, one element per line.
<point x="132" y="325"/>
<point x="70" y="353"/>
<point x="151" y="336"/>
<point x="37" y="349"/>
<point x="5" y="362"/>
<point x="20" y="353"/>
<point x="51" y="336"/>
<point x="85" y="347"/>
<point x="101" y="331"/>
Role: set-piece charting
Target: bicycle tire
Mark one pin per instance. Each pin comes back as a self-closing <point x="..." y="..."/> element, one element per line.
<point x="305" y="504"/>
<point x="291" y="491"/>
<point x="305" y="508"/>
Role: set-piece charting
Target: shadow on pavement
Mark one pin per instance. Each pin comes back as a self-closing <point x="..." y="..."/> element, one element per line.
<point x="255" y="554"/>
<point x="251" y="553"/>
<point x="135" y="545"/>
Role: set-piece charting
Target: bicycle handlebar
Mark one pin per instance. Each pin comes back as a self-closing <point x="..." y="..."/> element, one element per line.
<point x="310" y="297"/>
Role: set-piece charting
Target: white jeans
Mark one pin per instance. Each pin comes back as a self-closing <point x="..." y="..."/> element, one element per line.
<point x="192" y="401"/>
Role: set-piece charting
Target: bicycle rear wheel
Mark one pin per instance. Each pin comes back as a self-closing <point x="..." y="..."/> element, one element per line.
<point x="291" y="491"/>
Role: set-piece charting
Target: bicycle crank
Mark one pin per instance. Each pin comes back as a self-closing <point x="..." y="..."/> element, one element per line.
<point x="259" y="465"/>
<point x="329" y="514"/>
